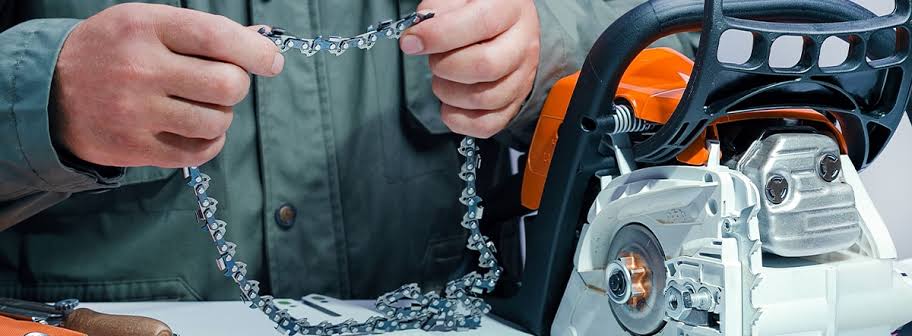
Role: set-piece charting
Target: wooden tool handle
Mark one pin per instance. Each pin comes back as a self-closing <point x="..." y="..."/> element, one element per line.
<point x="94" y="323"/>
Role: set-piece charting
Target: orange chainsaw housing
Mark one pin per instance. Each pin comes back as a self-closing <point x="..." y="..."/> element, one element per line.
<point x="11" y="327"/>
<point x="652" y="86"/>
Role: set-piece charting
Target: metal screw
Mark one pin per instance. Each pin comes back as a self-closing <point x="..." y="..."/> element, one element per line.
<point x="830" y="166"/>
<point x="66" y="306"/>
<point x="777" y="189"/>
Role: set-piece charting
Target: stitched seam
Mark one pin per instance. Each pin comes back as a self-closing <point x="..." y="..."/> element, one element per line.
<point x="14" y="99"/>
<point x="263" y="119"/>
<point x="340" y="239"/>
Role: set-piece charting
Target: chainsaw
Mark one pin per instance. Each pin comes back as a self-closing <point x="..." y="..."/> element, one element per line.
<point x="716" y="196"/>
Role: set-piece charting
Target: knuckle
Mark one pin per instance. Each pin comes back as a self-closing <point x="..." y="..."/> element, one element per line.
<point x="489" y="23"/>
<point x="452" y="121"/>
<point x="206" y="39"/>
<point x="485" y="130"/>
<point x="129" y="23"/>
<point x="232" y="84"/>
<point x="533" y="47"/>
<point x="210" y="150"/>
<point x="488" y="66"/>
<point x="433" y="36"/>
<point x="438" y="86"/>
<point x="188" y="123"/>
<point x="209" y="132"/>
<point x="442" y="70"/>
<point x="220" y="126"/>
<point x="211" y="126"/>
<point x="435" y="61"/>
<point x="175" y="155"/>
<point x="484" y="100"/>
<point x="496" y="123"/>
<point x="207" y="36"/>
<point x="222" y="31"/>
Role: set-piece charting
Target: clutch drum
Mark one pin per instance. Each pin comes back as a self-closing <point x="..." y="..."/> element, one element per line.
<point x="636" y="280"/>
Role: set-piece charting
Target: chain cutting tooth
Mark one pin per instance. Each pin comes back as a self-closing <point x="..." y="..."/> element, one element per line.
<point x="457" y="308"/>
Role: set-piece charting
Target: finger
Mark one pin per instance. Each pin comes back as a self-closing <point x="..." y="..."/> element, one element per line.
<point x="190" y="119"/>
<point x="175" y="151"/>
<point x="479" y="124"/>
<point x="474" y="22"/>
<point x="205" y="81"/>
<point x="483" y="62"/>
<point x="484" y="96"/>
<point x="202" y="34"/>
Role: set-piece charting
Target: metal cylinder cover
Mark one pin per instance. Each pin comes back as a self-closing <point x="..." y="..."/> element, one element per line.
<point x="807" y="207"/>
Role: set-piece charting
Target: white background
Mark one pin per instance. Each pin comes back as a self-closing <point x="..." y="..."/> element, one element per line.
<point x="889" y="178"/>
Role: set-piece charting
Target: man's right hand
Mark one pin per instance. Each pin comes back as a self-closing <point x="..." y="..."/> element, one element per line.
<point x="154" y="85"/>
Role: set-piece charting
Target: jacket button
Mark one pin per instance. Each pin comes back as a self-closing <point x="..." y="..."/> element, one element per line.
<point x="285" y="216"/>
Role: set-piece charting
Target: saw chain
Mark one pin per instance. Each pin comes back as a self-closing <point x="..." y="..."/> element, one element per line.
<point x="338" y="45"/>
<point x="458" y="307"/>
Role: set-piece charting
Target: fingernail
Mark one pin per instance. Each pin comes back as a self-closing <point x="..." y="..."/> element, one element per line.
<point x="278" y="63"/>
<point x="411" y="44"/>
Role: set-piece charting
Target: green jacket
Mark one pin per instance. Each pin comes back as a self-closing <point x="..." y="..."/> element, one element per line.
<point x="354" y="144"/>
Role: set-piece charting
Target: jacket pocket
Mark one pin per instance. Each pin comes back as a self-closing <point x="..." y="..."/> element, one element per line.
<point x="442" y="258"/>
<point x="165" y="289"/>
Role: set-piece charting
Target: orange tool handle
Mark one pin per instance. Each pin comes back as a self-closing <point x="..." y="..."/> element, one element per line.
<point x="11" y="327"/>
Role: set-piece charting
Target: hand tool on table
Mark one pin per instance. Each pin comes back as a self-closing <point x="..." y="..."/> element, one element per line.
<point x="36" y="319"/>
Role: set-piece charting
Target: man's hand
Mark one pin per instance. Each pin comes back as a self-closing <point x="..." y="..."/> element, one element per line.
<point x="484" y="56"/>
<point x="153" y="85"/>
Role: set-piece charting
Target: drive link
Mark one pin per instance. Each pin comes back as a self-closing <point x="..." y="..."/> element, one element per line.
<point x="457" y="308"/>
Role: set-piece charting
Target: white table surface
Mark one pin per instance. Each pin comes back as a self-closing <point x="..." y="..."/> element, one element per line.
<point x="236" y="319"/>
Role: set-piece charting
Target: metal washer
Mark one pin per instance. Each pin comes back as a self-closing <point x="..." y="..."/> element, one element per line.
<point x="647" y="317"/>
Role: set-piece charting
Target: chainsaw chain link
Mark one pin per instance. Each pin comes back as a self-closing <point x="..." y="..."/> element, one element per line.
<point x="458" y="307"/>
<point x="338" y="45"/>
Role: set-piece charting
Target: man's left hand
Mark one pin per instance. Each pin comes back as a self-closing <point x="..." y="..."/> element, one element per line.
<point x="484" y="56"/>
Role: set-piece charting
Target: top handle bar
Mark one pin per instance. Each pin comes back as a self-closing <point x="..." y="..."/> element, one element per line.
<point x="716" y="88"/>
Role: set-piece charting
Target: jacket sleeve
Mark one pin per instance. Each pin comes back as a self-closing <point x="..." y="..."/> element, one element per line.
<point x="569" y="28"/>
<point x="33" y="173"/>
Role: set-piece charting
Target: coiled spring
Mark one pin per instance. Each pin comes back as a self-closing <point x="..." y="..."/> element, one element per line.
<point x="626" y="122"/>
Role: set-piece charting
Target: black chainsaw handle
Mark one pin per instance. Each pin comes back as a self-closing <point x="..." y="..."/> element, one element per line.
<point x="645" y="24"/>
<point x="622" y="41"/>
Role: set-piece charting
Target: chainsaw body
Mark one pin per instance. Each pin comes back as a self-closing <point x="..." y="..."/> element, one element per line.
<point x="709" y="198"/>
<point x="714" y="279"/>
